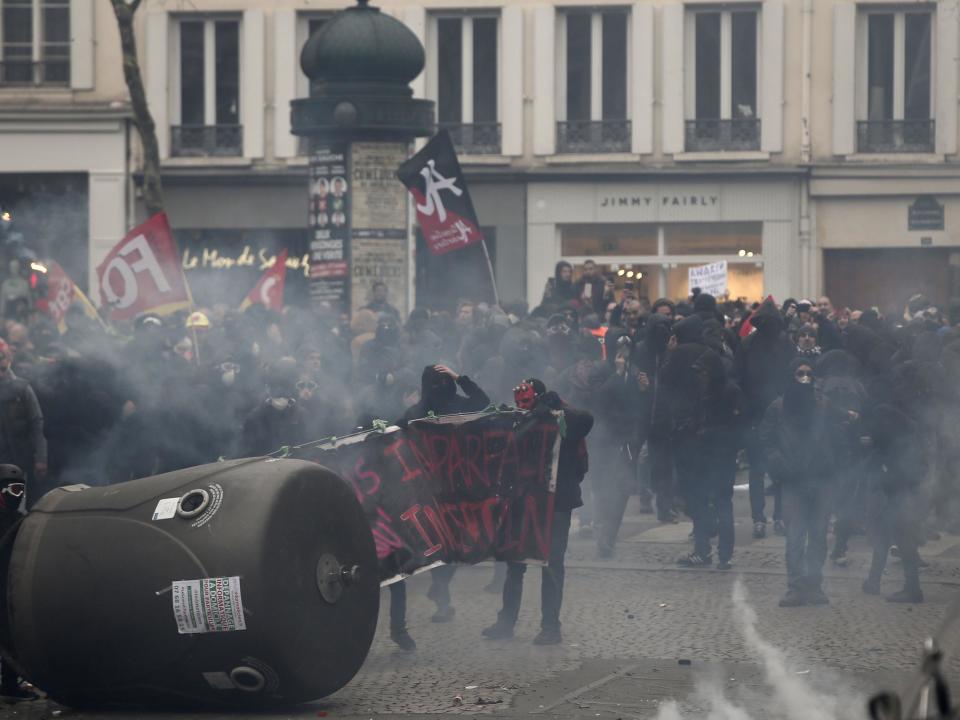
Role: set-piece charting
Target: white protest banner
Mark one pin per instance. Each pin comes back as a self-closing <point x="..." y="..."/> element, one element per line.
<point x="711" y="279"/>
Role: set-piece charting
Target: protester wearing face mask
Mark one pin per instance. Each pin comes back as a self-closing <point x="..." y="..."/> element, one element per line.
<point x="22" y="442"/>
<point x="279" y="420"/>
<point x="797" y="435"/>
<point x="761" y="369"/>
<point x="532" y="395"/>
<point x="438" y="396"/>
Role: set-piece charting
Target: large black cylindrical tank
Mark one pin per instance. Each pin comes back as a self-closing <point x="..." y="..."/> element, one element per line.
<point x="135" y="594"/>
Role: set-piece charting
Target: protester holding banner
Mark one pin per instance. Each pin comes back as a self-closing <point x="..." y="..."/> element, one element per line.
<point x="531" y="394"/>
<point x="438" y="396"/>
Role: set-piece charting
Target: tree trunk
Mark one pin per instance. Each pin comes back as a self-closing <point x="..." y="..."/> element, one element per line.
<point x="152" y="188"/>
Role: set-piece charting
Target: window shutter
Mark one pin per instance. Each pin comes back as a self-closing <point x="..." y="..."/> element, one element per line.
<point x="544" y="81"/>
<point x="844" y="77"/>
<point x="157" y="72"/>
<point x="945" y="114"/>
<point x="285" y="57"/>
<point x="81" y="44"/>
<point x="251" y="84"/>
<point x="511" y="80"/>
<point x="641" y="92"/>
<point x="771" y="77"/>
<point x="673" y="79"/>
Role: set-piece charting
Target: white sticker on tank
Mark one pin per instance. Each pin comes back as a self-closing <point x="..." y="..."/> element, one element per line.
<point x="166" y="509"/>
<point x="208" y="605"/>
<point x="219" y="681"/>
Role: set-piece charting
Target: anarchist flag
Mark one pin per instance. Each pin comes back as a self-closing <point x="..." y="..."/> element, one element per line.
<point x="444" y="208"/>
<point x="269" y="288"/>
<point x="143" y="273"/>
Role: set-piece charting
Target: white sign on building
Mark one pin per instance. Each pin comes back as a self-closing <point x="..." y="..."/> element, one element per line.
<point x="711" y="279"/>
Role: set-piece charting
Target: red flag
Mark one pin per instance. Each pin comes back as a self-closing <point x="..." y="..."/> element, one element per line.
<point x="61" y="294"/>
<point x="269" y="288"/>
<point x="143" y="273"/>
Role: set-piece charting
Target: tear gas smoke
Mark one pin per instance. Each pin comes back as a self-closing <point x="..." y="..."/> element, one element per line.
<point x="792" y="696"/>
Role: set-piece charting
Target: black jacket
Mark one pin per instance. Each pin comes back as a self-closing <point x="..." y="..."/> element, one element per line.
<point x="438" y="395"/>
<point x="762" y="361"/>
<point x="574" y="460"/>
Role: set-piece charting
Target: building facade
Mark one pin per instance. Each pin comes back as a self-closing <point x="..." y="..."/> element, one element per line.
<point x="812" y="144"/>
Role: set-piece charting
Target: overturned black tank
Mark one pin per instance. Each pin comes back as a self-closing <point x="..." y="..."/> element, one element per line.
<point x="250" y="582"/>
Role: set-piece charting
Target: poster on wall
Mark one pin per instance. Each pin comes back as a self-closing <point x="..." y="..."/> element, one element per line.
<point x="711" y="279"/>
<point x="329" y="225"/>
<point x="379" y="223"/>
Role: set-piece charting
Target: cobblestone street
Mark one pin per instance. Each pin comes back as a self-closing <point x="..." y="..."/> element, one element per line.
<point x="637" y="632"/>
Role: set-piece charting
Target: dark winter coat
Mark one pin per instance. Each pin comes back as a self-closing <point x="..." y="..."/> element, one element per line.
<point x="438" y="395"/>
<point x="762" y="361"/>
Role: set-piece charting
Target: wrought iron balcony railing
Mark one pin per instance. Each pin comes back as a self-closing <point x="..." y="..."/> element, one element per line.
<point x="896" y="136"/>
<point x="722" y="135"/>
<point x="206" y="140"/>
<point x="474" y="138"/>
<point x="593" y="136"/>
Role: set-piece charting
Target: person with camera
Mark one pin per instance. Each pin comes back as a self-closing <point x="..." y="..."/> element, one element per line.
<point x="532" y="395"/>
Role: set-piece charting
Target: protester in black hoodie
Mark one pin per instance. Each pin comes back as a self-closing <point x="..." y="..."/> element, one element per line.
<point x="651" y="358"/>
<point x="622" y="416"/>
<point x="761" y="363"/>
<point x="686" y="398"/>
<point x="898" y="466"/>
<point x="797" y="435"/>
<point x="438" y="396"/>
<point x="571" y="467"/>
<point x="560" y="288"/>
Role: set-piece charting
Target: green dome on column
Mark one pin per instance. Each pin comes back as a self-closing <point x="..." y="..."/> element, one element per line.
<point x="363" y="45"/>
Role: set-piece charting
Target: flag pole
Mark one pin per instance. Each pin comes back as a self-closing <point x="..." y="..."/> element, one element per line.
<point x="493" y="279"/>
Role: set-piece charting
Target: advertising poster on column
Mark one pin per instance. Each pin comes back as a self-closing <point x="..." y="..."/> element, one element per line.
<point x="379" y="227"/>
<point x="329" y="225"/>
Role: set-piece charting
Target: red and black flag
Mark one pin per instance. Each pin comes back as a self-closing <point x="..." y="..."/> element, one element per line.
<point x="447" y="222"/>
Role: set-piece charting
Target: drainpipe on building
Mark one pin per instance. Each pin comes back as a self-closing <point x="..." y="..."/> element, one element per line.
<point x="805" y="143"/>
<point x="806" y="153"/>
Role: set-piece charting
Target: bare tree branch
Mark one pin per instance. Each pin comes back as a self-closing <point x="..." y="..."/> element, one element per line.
<point x="152" y="187"/>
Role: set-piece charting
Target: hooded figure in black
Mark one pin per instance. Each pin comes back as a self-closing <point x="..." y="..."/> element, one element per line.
<point x="571" y="468"/>
<point x="686" y="394"/>
<point x="797" y="434"/>
<point x="560" y="288"/>
<point x="761" y="364"/>
<point x="652" y="355"/>
<point x="722" y="408"/>
<point x="897" y="468"/>
<point x="838" y="375"/>
<point x="438" y="396"/>
<point x="622" y="417"/>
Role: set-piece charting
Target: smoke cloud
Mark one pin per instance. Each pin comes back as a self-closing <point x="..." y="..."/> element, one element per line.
<point x="791" y="696"/>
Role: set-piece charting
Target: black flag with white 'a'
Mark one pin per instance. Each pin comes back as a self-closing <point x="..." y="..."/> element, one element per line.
<point x="444" y="208"/>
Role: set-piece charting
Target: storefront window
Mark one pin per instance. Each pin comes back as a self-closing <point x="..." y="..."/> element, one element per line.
<point x="714" y="239"/>
<point x="608" y="240"/>
<point x="744" y="280"/>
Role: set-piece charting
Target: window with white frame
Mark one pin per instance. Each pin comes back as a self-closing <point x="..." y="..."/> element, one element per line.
<point x="308" y="24"/>
<point x="34" y="42"/>
<point x="722" y="103"/>
<point x="593" y="81"/>
<point x="465" y="79"/>
<point x="894" y="94"/>
<point x="207" y="93"/>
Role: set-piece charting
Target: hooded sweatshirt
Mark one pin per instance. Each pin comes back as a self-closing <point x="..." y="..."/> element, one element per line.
<point x="762" y="360"/>
<point x="438" y="394"/>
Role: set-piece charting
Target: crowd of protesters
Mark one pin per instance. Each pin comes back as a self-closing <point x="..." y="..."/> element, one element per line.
<point x="839" y="415"/>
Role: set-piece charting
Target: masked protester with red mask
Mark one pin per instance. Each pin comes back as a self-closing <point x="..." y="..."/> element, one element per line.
<point x="438" y="395"/>
<point x="22" y="442"/>
<point x="533" y="396"/>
